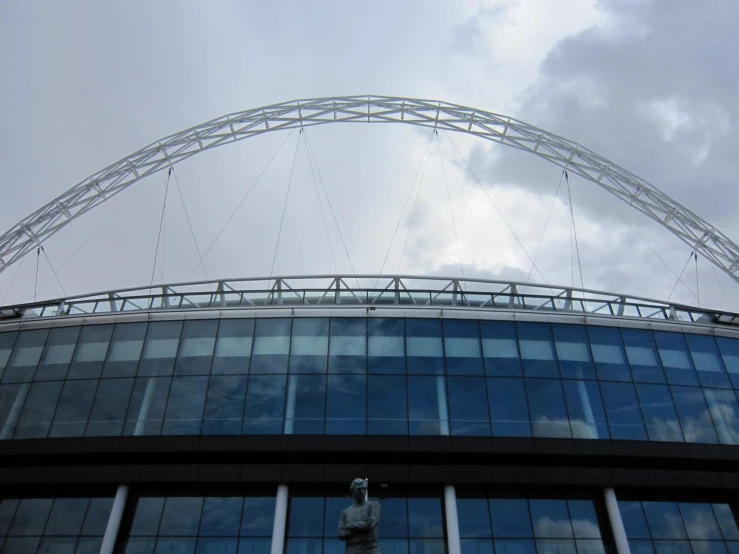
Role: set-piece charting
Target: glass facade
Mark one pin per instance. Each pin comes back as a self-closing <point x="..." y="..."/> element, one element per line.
<point x="379" y="376"/>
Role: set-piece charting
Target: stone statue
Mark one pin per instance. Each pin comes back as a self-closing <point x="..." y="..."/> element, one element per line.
<point x="358" y="522"/>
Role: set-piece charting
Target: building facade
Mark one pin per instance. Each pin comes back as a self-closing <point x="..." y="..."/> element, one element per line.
<point x="489" y="419"/>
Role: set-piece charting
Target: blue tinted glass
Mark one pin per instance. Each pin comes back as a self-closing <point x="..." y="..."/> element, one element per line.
<point x="265" y="405"/>
<point x="537" y="350"/>
<point x="700" y="521"/>
<point x="426" y="546"/>
<point x="221" y="516"/>
<point x="394" y="517"/>
<point x="25" y="357"/>
<point x="622" y="411"/>
<point x="547" y="406"/>
<point x="641" y="547"/>
<point x="146" y="409"/>
<point x="7" y="341"/>
<point x="425" y="353"/>
<point x="309" y="345"/>
<point x="305" y="416"/>
<point x="224" y="405"/>
<point x="641" y="352"/>
<point x="608" y="354"/>
<point x="509" y="410"/>
<point x="216" y="546"/>
<point x="7" y="511"/>
<point x="12" y="398"/>
<point x="147" y="516"/>
<point x="584" y="520"/>
<point x="573" y="351"/>
<point x="673" y="352"/>
<point x="304" y="546"/>
<point x="500" y="348"/>
<point x="109" y="408"/>
<point x="58" y="354"/>
<point x="477" y="546"/>
<point x="348" y="345"/>
<point x="707" y="361"/>
<point x="664" y="519"/>
<point x="89" y="545"/>
<point x="729" y="349"/>
<point x="551" y="519"/>
<point x="160" y="348"/>
<point x="56" y="545"/>
<point x="474" y="518"/>
<point x="233" y="346"/>
<point x="258" y="517"/>
<point x="125" y="350"/>
<point x="30" y="516"/>
<point x="185" y="406"/>
<point x="175" y="546"/>
<point x="181" y="516"/>
<point x="196" y="348"/>
<point x="635" y="523"/>
<point x="585" y="408"/>
<point x="97" y="516"/>
<point x="468" y="406"/>
<point x="346" y="405"/>
<point x="511" y="518"/>
<point x="462" y="347"/>
<point x="726" y="522"/>
<point x="517" y="546"/>
<point x="38" y="410"/>
<point x="73" y="409"/>
<point x="386" y="346"/>
<point x="271" y="346"/>
<point x="424" y="517"/>
<point x="694" y="416"/>
<point x="67" y="515"/>
<point x="333" y="506"/>
<point x="387" y="405"/>
<point x="17" y="545"/>
<point x="659" y="413"/>
<point x="140" y="546"/>
<point x="306" y="517"/>
<point x="427" y="406"/>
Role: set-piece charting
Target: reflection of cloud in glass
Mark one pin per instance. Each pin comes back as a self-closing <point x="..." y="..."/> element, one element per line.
<point x="661" y="429"/>
<point x="544" y="426"/>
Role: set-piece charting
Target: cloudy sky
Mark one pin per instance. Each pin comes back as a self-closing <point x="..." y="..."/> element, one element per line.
<point x="649" y="84"/>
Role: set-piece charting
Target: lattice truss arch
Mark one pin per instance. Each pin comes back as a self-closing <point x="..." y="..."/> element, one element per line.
<point x="578" y="160"/>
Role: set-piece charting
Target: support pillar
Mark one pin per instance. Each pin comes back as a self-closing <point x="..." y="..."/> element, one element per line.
<point x="114" y="521"/>
<point x="280" y="524"/>
<point x="454" y="545"/>
<point x="617" y="524"/>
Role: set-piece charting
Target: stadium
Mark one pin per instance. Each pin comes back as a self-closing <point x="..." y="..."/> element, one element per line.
<point x="489" y="417"/>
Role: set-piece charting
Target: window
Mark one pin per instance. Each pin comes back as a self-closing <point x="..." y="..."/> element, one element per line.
<point x="7" y="340"/>
<point x="641" y="352"/>
<point x="346" y="405"/>
<point x="309" y="345"/>
<point x="573" y="352"/>
<point x="109" y="407"/>
<point x="585" y="409"/>
<point x="659" y="413"/>
<point x="386" y="346"/>
<point x="196" y="348"/>
<point x="185" y="406"/>
<point x="305" y="407"/>
<point x="468" y="406"/>
<point x="146" y="408"/>
<point x="348" y="346"/>
<point x="500" y="349"/>
<point x="707" y="361"/>
<point x="548" y="410"/>
<point x="265" y="405"/>
<point x="695" y="418"/>
<point x="73" y="410"/>
<point x="427" y="406"/>
<point x="537" y="353"/>
<point x="724" y="410"/>
<point x="38" y="410"/>
<point x="233" y="347"/>
<point x="27" y="353"/>
<point x="125" y="350"/>
<point x="57" y="354"/>
<point x="424" y="346"/>
<point x="91" y="351"/>
<point x="675" y="358"/>
<point x="622" y="409"/>
<point x="608" y="354"/>
<point x="271" y="346"/>
<point x="729" y="349"/>
<point x="387" y="405"/>
<point x="160" y="348"/>
<point x="224" y="405"/>
<point x="509" y="412"/>
<point x="462" y="347"/>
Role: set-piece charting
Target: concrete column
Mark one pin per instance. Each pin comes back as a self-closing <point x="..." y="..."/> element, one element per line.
<point x="280" y="524"/>
<point x="114" y="521"/>
<point x="617" y="524"/>
<point x="454" y="545"/>
<point x="442" y="405"/>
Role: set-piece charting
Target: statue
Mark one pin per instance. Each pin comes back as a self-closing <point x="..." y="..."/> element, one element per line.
<point x="358" y="522"/>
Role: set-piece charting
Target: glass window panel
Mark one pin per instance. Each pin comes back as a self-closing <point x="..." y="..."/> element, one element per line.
<point x="659" y="413"/>
<point x="426" y="546"/>
<point x="18" y="545"/>
<point x="707" y="547"/>
<point x="641" y="351"/>
<point x="427" y="406"/>
<point x="474" y="518"/>
<point x="73" y="409"/>
<point x="271" y="346"/>
<point x="233" y="346"/>
<point x="89" y="545"/>
<point x="425" y="353"/>
<point x="622" y="410"/>
<point x="57" y="354"/>
<point x="585" y="408"/>
<point x="333" y="506"/>
<point x="304" y="546"/>
<point x="38" y="410"/>
<point x="306" y="516"/>
<point x="224" y="405"/>
<point x="705" y="355"/>
<point x="664" y="519"/>
<point x="125" y="350"/>
<point x="27" y="353"/>
<point x="175" y="546"/>
<point x="30" y="516"/>
<point x="537" y="352"/>
<point x="551" y="519"/>
<point x="216" y="546"/>
<point x="500" y="348"/>
<point x="346" y="405"/>
<point x="608" y="354"/>
<point x="181" y="516"/>
<point x="185" y="406"/>
<point x="196" y="347"/>
<point x="221" y="516"/>
<point x="468" y="406"/>
<point x="12" y="398"/>
<point x="695" y="418"/>
<point x="726" y="522"/>
<point x="146" y="408"/>
<point x="386" y="345"/>
<point x="591" y="547"/>
<point x="517" y="546"/>
<point x="56" y="545"/>
<point x="573" y="352"/>
<point x="729" y="349"/>
<point x="584" y="520"/>
<point x="305" y="415"/>
<point x="7" y="340"/>
<point x="700" y="521"/>
<point x="509" y="410"/>
<point x="309" y="345"/>
<point x="394" y="518"/>
<point x="635" y="522"/>
<point x="387" y="405"/>
<point x="265" y="405"/>
<point x="511" y="518"/>
<point x="97" y="516"/>
<point x="258" y="517"/>
<point x="67" y="515"/>
<point x="477" y="546"/>
<point x="552" y="546"/>
<point x="160" y="348"/>
<point x="109" y="407"/>
<point x="424" y="517"/>
<point x="462" y="347"/>
<point x="673" y="352"/>
<point x="147" y="516"/>
<point x="548" y="410"/>
<point x="91" y="351"/>
<point x="7" y="511"/>
<point x="348" y="345"/>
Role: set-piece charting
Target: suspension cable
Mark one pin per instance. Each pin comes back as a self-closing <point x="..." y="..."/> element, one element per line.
<point x="320" y="205"/>
<point x="549" y="215"/>
<point x="697" y="286"/>
<point x="690" y="257"/>
<point x="413" y="212"/>
<point x="574" y="228"/>
<point x="35" y="282"/>
<point x="53" y="270"/>
<point x="243" y="199"/>
<point x="449" y="198"/>
<point x="12" y="281"/>
<point x="726" y="299"/>
<point x="496" y="208"/>
<point x="189" y="223"/>
<point x="159" y="235"/>
<point x="284" y="206"/>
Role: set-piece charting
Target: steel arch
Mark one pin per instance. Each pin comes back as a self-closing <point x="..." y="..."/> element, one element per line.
<point x="638" y="193"/>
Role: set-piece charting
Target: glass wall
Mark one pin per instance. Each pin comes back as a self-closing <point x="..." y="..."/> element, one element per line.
<point x="53" y="525"/>
<point x="350" y="376"/>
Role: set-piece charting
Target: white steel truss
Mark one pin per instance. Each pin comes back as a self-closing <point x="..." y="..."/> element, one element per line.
<point x="699" y="235"/>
